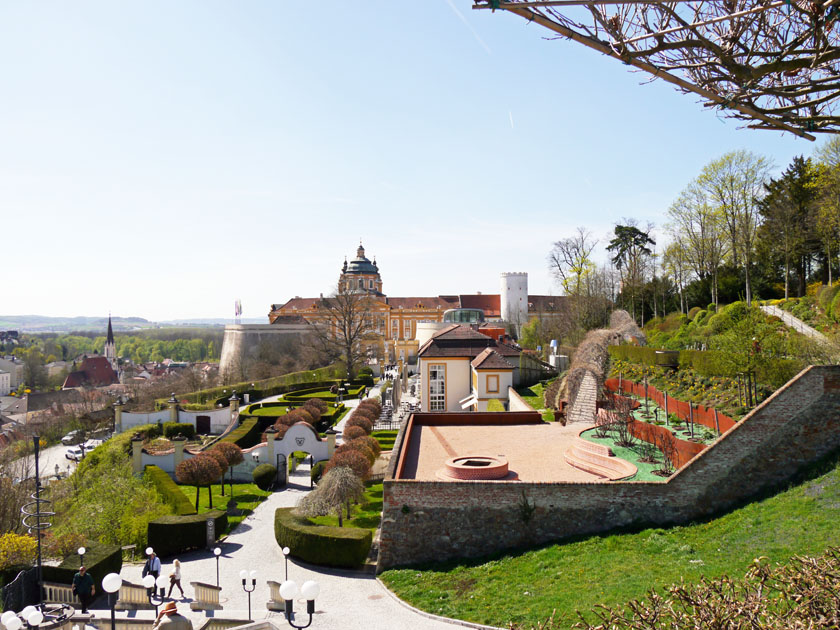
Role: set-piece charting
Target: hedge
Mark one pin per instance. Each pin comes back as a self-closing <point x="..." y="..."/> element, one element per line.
<point x="246" y="435"/>
<point x="100" y="560"/>
<point x="260" y="389"/>
<point x="168" y="490"/>
<point x="346" y="547"/>
<point x="172" y="534"/>
<point x="173" y="429"/>
<point x="317" y="471"/>
<point x="264" y="476"/>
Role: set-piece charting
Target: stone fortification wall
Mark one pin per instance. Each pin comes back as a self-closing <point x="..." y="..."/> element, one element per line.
<point x="246" y="343"/>
<point x="433" y="521"/>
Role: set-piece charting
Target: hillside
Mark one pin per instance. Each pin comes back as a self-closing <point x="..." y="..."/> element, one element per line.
<point x="614" y="569"/>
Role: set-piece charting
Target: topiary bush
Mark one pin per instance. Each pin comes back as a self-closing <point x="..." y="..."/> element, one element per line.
<point x="100" y="560"/>
<point x="168" y="490"/>
<point x="352" y="459"/>
<point x="359" y="421"/>
<point x="360" y="447"/>
<point x="169" y="535"/>
<point x="174" y="429"/>
<point x="353" y="432"/>
<point x="318" y="471"/>
<point x="327" y="546"/>
<point x="264" y="476"/>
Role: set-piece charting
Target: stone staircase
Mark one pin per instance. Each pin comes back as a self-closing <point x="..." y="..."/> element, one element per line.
<point x="598" y="460"/>
<point x="586" y="403"/>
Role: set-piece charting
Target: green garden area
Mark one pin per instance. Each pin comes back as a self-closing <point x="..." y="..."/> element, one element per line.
<point x="561" y="579"/>
<point x="366" y="514"/>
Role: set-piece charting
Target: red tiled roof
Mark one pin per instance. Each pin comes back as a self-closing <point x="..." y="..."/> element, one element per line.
<point x="546" y="303"/>
<point x="299" y="303"/>
<point x="489" y="359"/>
<point x="458" y="340"/>
<point x="489" y="303"/>
<point x="93" y="372"/>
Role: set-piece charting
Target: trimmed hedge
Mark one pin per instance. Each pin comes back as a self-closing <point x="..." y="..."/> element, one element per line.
<point x="173" y="429"/>
<point x="317" y="470"/>
<point x="246" y="435"/>
<point x="209" y="398"/>
<point x="168" y="490"/>
<point x="100" y="560"/>
<point x="264" y="476"/>
<point x="173" y="534"/>
<point x="346" y="547"/>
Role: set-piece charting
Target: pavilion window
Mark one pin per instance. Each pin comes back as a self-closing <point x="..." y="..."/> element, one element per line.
<point x="437" y="387"/>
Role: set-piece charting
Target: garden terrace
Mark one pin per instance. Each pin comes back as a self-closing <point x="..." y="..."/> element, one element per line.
<point x="425" y="520"/>
<point x="532" y="448"/>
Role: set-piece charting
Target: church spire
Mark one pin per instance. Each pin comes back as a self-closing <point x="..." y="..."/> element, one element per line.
<point x="110" y="338"/>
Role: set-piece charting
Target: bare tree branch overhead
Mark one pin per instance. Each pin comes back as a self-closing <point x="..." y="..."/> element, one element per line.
<point x="772" y="63"/>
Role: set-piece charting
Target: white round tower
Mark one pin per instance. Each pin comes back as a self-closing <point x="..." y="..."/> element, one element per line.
<point x="513" y="299"/>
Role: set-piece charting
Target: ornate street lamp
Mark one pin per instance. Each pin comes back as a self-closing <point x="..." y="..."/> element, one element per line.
<point x="309" y="590"/>
<point x="111" y="584"/>
<point x="217" y="552"/>
<point x="38" y="524"/>
<point x="286" y="552"/>
<point x="81" y="553"/>
<point x="155" y="599"/>
<point x="245" y="575"/>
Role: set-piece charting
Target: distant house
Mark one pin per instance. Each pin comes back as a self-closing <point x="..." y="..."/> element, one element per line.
<point x="14" y="367"/>
<point x="94" y="371"/>
<point x="5" y="383"/>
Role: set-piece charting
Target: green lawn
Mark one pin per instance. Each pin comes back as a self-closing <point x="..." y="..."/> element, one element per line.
<point x="246" y="495"/>
<point x="385" y="438"/>
<point x="366" y="515"/>
<point x="524" y="588"/>
<point x="632" y="455"/>
<point x="534" y="396"/>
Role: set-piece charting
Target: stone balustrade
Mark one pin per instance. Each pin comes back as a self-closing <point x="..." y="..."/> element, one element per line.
<point x="133" y="597"/>
<point x="275" y="602"/>
<point x="59" y="593"/>
<point x="206" y="596"/>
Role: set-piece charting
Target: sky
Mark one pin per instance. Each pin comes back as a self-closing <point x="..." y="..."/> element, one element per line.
<point x="163" y="159"/>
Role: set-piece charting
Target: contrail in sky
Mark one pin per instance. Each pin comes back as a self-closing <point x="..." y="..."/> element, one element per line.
<point x="469" y="26"/>
<point x="511" y="119"/>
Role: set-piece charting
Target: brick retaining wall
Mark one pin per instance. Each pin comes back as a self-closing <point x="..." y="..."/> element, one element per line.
<point x="433" y="521"/>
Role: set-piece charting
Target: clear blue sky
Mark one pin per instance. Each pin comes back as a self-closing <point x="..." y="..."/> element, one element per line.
<point x="161" y="159"/>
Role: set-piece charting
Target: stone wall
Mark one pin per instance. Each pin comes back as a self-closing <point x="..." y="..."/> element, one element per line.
<point x="245" y="343"/>
<point x="433" y="521"/>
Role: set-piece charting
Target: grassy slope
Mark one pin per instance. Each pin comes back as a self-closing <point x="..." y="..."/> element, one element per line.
<point x="617" y="568"/>
<point x="386" y="438"/>
<point x="246" y="495"/>
<point x="366" y="515"/>
<point x="534" y="396"/>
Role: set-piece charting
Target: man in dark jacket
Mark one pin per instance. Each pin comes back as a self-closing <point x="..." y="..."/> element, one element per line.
<point x="84" y="588"/>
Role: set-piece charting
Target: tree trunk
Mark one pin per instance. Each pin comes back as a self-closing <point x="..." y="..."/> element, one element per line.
<point x="210" y="495"/>
<point x="231" y="482"/>
<point x="222" y="483"/>
<point x="828" y="262"/>
<point x="340" y="515"/>
<point x="747" y="287"/>
<point x="787" y="277"/>
<point x="196" y="498"/>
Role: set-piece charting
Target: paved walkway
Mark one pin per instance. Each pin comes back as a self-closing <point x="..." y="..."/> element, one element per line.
<point x="348" y="600"/>
<point x="795" y="323"/>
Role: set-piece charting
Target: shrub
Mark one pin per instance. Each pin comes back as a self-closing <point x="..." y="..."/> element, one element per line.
<point x="373" y="444"/>
<point x="367" y="413"/>
<point x="360" y="447"/>
<point x="318" y="404"/>
<point x="327" y="546"/>
<point x="353" y="432"/>
<point x="692" y="313"/>
<point x="233" y="455"/>
<point x="17" y="549"/>
<point x="201" y="470"/>
<point x="264" y="476"/>
<point x="173" y="534"/>
<point x="317" y="471"/>
<point x="246" y="435"/>
<point x="168" y="490"/>
<point x="173" y="429"/>
<point x="359" y="421"/>
<point x="352" y="459"/>
<point x="100" y="560"/>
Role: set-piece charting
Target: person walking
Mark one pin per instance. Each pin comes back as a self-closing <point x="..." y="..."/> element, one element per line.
<point x="152" y="566"/>
<point x="84" y="588"/>
<point x="175" y="579"/>
<point x="170" y="619"/>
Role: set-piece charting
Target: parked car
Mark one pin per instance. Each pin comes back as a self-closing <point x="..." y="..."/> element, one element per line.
<point x="74" y="437"/>
<point x="91" y="444"/>
<point x="75" y="454"/>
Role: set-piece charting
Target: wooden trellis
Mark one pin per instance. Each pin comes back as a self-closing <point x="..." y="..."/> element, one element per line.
<point x="772" y="63"/>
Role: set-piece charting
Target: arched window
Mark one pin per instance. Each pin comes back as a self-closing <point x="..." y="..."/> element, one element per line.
<point x="361" y="284"/>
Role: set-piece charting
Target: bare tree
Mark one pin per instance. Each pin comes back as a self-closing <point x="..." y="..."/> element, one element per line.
<point x="735" y="185"/>
<point x="667" y="445"/>
<point x="570" y="259"/>
<point x="344" y="322"/>
<point x="335" y="490"/>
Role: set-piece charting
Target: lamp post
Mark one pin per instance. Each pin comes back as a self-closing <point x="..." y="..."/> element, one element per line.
<point x="32" y="616"/>
<point x="217" y="552"/>
<point x="111" y="584"/>
<point x="151" y="592"/>
<point x="81" y="552"/>
<point x="286" y="552"/>
<point x="32" y="510"/>
<point x="245" y="575"/>
<point x="289" y="590"/>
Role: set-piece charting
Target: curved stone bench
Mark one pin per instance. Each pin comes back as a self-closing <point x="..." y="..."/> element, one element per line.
<point x="598" y="460"/>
